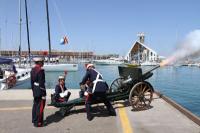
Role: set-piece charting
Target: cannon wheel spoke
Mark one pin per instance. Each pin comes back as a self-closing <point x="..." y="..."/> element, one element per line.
<point x="135" y="100"/>
<point x="147" y="90"/>
<point x="143" y="90"/>
<point x="116" y="85"/>
<point x="141" y="95"/>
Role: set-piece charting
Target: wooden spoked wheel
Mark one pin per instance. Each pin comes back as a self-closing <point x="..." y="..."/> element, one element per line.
<point x="141" y="95"/>
<point x="117" y="85"/>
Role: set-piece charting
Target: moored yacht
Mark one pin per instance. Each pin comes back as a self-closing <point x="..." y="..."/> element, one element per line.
<point x="110" y="61"/>
<point x="11" y="80"/>
<point x="60" y="67"/>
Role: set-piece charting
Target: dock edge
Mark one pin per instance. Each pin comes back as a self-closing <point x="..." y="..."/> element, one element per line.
<point x="183" y="110"/>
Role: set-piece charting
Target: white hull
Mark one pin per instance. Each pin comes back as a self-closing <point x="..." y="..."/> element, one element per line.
<point x="108" y="62"/>
<point x="149" y="64"/>
<point x="60" y="67"/>
<point x="195" y="64"/>
<point x="23" y="77"/>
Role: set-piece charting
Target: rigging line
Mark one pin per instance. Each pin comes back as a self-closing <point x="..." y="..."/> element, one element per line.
<point x="59" y="16"/>
<point x="33" y="6"/>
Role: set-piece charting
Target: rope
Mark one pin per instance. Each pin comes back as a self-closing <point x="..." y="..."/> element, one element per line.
<point x="59" y="16"/>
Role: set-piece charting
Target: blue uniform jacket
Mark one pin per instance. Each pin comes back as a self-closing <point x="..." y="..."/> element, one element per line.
<point x="38" y="76"/>
<point x="58" y="90"/>
<point x="91" y="75"/>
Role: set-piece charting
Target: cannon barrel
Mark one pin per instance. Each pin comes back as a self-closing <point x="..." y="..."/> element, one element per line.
<point x="147" y="74"/>
<point x="151" y="69"/>
<point x="135" y="74"/>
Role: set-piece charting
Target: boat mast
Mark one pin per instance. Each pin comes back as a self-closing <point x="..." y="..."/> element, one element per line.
<point x="0" y="42"/>
<point x="49" y="37"/>
<point x="27" y="27"/>
<point x="20" y="31"/>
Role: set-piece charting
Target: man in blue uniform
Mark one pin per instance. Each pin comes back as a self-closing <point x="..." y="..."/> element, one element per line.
<point x="61" y="92"/>
<point x="96" y="90"/>
<point x="39" y="92"/>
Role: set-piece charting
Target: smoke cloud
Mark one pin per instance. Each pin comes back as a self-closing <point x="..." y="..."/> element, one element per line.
<point x="189" y="46"/>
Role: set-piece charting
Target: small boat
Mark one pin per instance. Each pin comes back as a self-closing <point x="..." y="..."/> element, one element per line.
<point x="9" y="79"/>
<point x="110" y="61"/>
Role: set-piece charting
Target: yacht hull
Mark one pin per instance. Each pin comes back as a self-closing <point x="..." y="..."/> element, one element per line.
<point x="60" y="67"/>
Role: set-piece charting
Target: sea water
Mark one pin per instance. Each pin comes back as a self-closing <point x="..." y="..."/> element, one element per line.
<point x="181" y="84"/>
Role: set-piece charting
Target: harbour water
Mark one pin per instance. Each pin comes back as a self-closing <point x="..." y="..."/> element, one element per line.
<point x="181" y="84"/>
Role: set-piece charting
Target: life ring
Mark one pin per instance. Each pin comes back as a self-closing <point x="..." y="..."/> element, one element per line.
<point x="11" y="81"/>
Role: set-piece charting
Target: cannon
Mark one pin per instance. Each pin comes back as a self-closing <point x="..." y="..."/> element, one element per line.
<point x="132" y="82"/>
<point x="130" y="85"/>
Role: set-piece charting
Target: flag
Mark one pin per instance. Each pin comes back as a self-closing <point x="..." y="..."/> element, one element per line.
<point x="64" y="40"/>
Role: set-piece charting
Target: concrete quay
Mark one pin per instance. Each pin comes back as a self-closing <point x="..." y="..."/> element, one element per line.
<point x="162" y="117"/>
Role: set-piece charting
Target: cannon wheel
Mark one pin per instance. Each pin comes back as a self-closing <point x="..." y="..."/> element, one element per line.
<point x="141" y="95"/>
<point x="116" y="85"/>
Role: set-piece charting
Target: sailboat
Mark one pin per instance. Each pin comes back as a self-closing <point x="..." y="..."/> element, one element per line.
<point x="9" y="79"/>
<point x="56" y="67"/>
<point x="20" y="79"/>
<point x="14" y="78"/>
<point x="23" y="73"/>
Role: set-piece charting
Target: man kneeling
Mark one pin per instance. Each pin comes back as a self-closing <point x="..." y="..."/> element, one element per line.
<point x="61" y="92"/>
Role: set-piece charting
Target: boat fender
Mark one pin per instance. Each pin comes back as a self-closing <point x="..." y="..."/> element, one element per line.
<point x="11" y="81"/>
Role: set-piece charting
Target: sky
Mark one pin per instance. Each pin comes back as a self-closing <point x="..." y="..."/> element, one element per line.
<point x="101" y="26"/>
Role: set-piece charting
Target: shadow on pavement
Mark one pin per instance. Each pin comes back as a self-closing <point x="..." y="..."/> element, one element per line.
<point x="56" y="117"/>
<point x="97" y="111"/>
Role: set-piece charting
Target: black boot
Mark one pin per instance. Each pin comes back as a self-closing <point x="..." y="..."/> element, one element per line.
<point x="67" y="97"/>
<point x="89" y="117"/>
<point x="53" y="99"/>
<point x="112" y="113"/>
<point x="111" y="110"/>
